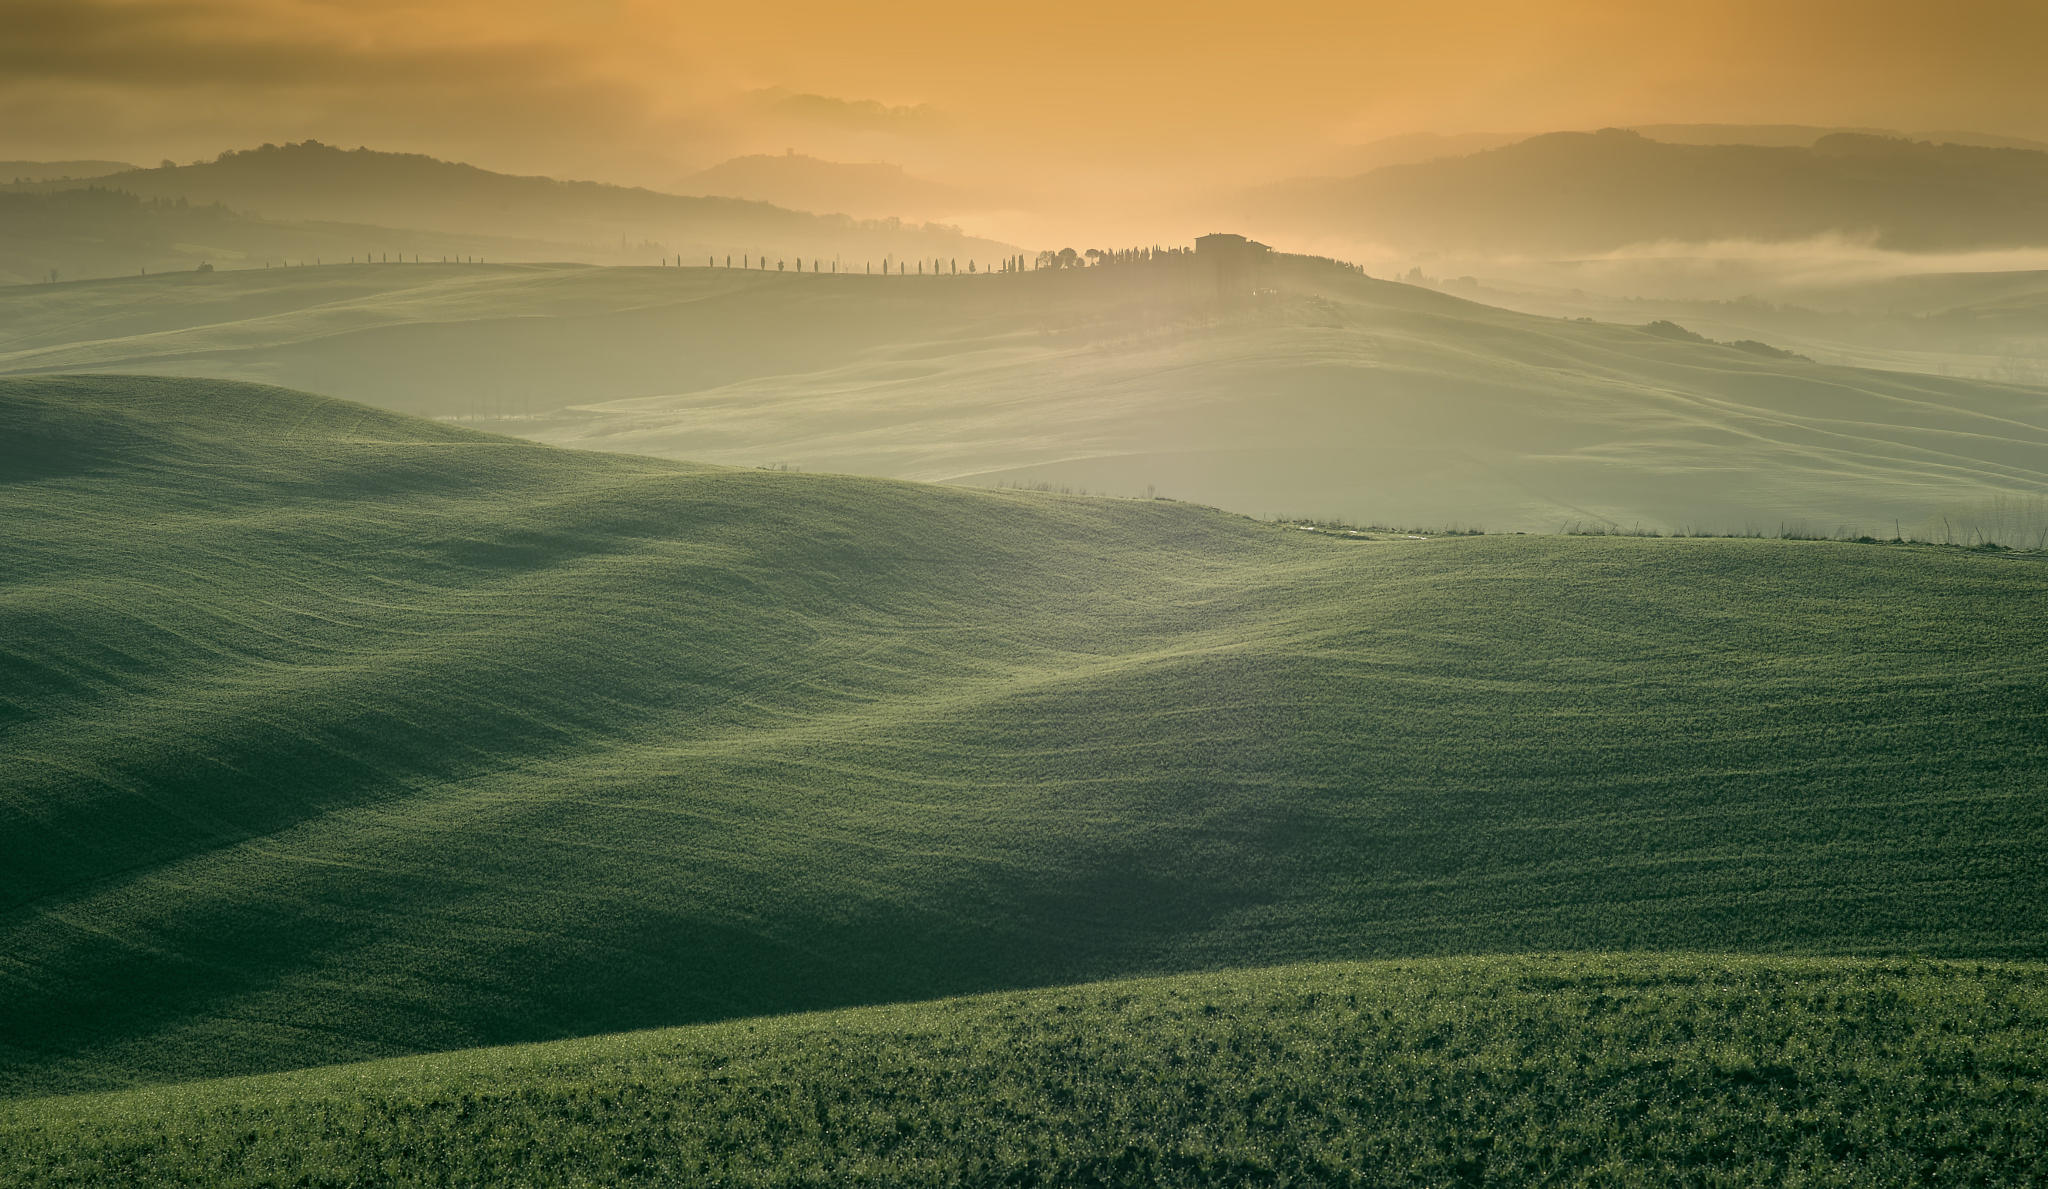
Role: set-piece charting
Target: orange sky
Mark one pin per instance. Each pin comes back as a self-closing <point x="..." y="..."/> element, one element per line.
<point x="1103" y="97"/>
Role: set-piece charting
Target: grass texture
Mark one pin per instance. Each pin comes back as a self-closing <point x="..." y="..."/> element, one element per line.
<point x="332" y="734"/>
<point x="1583" y="1070"/>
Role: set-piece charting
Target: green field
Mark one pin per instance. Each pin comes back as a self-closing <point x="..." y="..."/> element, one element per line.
<point x="332" y="734"/>
<point x="1579" y="1070"/>
<point x="1343" y="397"/>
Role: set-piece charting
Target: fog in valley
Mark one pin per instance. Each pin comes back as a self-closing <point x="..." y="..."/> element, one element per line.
<point x="1835" y="333"/>
<point x="1123" y="594"/>
<point x="1583" y="303"/>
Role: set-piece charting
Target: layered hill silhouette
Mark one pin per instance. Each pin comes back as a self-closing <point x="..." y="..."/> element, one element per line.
<point x="1575" y="192"/>
<point x="1807" y="135"/>
<point x="45" y="171"/>
<point x="805" y="183"/>
<point x="1336" y="396"/>
<point x="333" y="733"/>
<point x="1414" y="147"/>
<point x="412" y="193"/>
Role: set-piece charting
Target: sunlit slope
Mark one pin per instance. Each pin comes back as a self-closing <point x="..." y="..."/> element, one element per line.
<point x="1344" y="397"/>
<point x="458" y="340"/>
<point x="330" y="733"/>
<point x="1581" y="1070"/>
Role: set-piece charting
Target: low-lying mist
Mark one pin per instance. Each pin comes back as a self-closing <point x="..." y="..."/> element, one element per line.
<point x="1837" y="267"/>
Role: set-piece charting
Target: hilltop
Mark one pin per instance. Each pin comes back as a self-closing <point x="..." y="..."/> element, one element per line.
<point x="48" y="171"/>
<point x="413" y="193"/>
<point x="1808" y="135"/>
<point x="1336" y="395"/>
<point x="348" y="734"/>
<point x="1568" y="193"/>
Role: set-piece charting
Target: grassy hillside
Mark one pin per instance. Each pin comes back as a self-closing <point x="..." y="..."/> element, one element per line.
<point x="89" y="232"/>
<point x="1344" y="398"/>
<point x="475" y="340"/>
<point x="331" y="734"/>
<point x="1583" y="1070"/>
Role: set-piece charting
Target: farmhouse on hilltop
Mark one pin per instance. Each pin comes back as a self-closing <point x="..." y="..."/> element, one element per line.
<point x="1236" y="262"/>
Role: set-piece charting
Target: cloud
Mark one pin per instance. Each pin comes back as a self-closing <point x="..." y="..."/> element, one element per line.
<point x="600" y="89"/>
<point x="197" y="76"/>
<point x="184" y="46"/>
<point x="1114" y="104"/>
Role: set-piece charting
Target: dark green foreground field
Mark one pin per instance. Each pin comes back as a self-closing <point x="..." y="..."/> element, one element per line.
<point x="1514" y="1071"/>
<point x="332" y="734"/>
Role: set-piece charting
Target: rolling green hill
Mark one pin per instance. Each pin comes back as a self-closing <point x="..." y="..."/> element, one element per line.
<point x="1580" y="1071"/>
<point x="1341" y="397"/>
<point x="90" y="232"/>
<point x="331" y="733"/>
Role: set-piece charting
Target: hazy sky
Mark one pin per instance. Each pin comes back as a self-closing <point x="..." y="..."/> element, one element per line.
<point x="1060" y="94"/>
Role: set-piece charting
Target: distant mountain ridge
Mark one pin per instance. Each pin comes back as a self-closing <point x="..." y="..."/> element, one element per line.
<point x="1577" y="192"/>
<point x="46" y="171"/>
<point x="800" y="182"/>
<point x="1414" y="148"/>
<point x="313" y="181"/>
